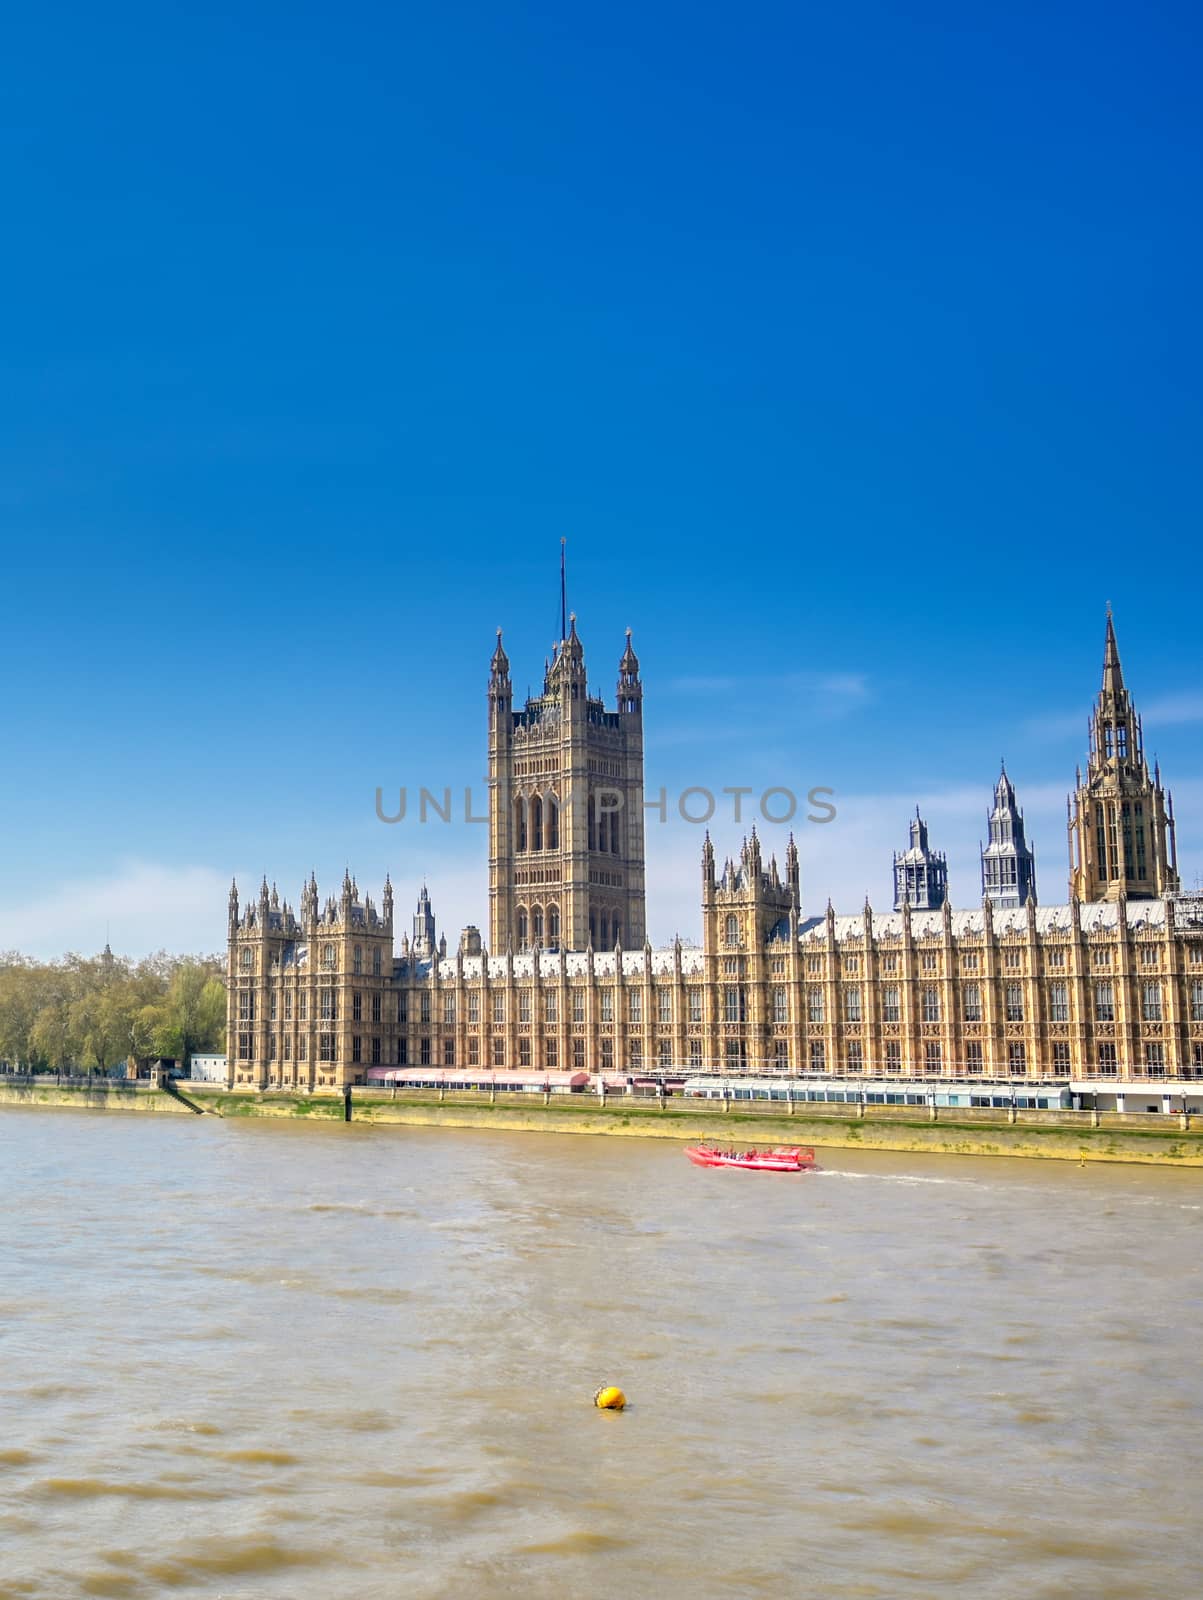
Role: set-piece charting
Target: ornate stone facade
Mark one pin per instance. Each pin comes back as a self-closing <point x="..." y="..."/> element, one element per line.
<point x="1107" y="985"/>
<point x="920" y="873"/>
<point x="1121" y="824"/>
<point x="566" y="863"/>
<point x="1008" y="864"/>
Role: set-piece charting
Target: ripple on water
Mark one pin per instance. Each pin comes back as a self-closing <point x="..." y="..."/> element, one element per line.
<point x="462" y="1505"/>
<point x="419" y="1478"/>
<point x="206" y="1430"/>
<point x="115" y="1584"/>
<point x="250" y="1556"/>
<point x="443" y="1444"/>
<point x="373" y="1295"/>
<point x="55" y="1391"/>
<point x="368" y="1422"/>
<point x="260" y="1458"/>
<point x="97" y="1488"/>
<point x="582" y="1542"/>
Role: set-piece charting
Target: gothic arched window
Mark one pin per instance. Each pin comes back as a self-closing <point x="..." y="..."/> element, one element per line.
<point x="536" y="925"/>
<point x="520" y="824"/>
<point x="553" y="824"/>
<point x="536" y="823"/>
<point x="523" y="930"/>
<point x="731" y="934"/>
<point x="553" y="926"/>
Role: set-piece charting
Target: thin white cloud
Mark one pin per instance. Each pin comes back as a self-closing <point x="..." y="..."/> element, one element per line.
<point x="827" y="693"/>
<point x="853" y="856"/>
<point x="702" y="685"/>
<point x="1173" y="709"/>
<point x="1170" y="711"/>
<point x="139" y="907"/>
<point x="1057" y="725"/>
<point x="143" y="906"/>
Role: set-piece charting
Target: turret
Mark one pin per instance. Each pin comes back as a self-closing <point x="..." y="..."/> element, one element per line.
<point x="568" y="669"/>
<point x="309" y="902"/>
<point x="425" y="937"/>
<point x="501" y="695"/>
<point x="1008" y="862"/>
<point x="1120" y="826"/>
<point x="920" y="873"/>
<point x="630" y="690"/>
<point x="708" y="884"/>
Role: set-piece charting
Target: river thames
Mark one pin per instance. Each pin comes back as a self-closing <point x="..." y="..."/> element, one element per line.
<point x="261" y="1360"/>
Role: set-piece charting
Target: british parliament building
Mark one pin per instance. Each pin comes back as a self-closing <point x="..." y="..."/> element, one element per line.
<point x="1105" y="986"/>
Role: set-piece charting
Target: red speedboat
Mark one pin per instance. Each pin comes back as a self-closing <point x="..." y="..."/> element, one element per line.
<point x="782" y="1158"/>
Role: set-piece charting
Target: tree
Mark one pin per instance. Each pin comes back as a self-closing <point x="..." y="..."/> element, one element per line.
<point x="81" y="1011"/>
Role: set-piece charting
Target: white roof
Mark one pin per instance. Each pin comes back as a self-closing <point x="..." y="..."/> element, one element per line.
<point x="575" y="964"/>
<point x="1095" y="918"/>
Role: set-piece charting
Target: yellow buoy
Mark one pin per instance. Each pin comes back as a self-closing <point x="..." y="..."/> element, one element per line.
<point x="608" y="1398"/>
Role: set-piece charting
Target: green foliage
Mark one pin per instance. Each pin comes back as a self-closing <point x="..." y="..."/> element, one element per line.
<point x="95" y="1013"/>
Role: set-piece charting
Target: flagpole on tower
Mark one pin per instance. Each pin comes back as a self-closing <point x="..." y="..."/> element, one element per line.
<point x="563" y="592"/>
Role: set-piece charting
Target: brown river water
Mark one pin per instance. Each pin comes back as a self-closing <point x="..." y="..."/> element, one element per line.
<point x="315" y="1362"/>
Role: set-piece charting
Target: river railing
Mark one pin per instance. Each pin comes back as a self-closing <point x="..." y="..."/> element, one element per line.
<point x="649" y="1103"/>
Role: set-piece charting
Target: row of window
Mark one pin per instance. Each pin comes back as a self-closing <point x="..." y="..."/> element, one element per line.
<point x="327" y="959"/>
<point x="734" y="1009"/>
<point x="536" y="927"/>
<point x="544" y="926"/>
<point x="536" y="824"/>
<point x="1151" y="1003"/>
<point x="933" y="1056"/>
<point x="736" y="1057"/>
<point x="327" y="1047"/>
<point x="1054" y="957"/>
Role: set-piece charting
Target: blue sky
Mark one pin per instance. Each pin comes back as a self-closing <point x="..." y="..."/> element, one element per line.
<point x="855" y="350"/>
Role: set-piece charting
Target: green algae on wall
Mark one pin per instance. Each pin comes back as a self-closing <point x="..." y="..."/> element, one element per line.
<point x="1166" y="1144"/>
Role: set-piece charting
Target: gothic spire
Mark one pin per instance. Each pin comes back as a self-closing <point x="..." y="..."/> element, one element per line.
<point x="629" y="665"/>
<point x="500" y="664"/>
<point x="920" y="873"/>
<point x="1121" y="836"/>
<point x="1113" y="674"/>
<point x="1008" y="863"/>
